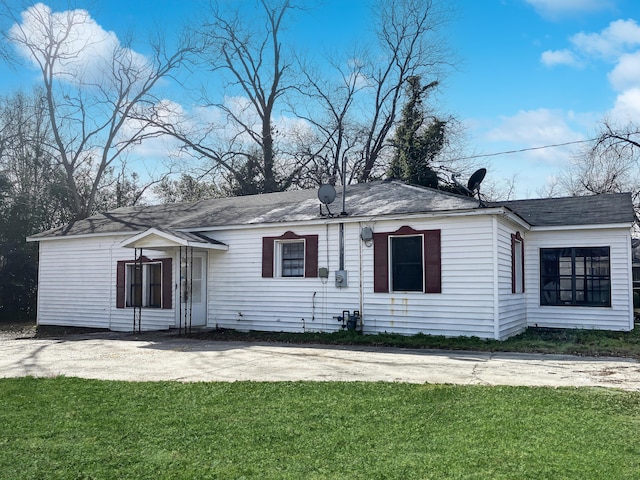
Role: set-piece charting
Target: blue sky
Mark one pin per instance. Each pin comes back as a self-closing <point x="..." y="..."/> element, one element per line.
<point x="527" y="73"/>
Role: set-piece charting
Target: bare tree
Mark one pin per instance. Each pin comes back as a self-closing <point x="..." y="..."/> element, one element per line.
<point x="408" y="47"/>
<point x="93" y="87"/>
<point x="344" y="117"/>
<point x="325" y="153"/>
<point x="255" y="66"/>
<point x="610" y="164"/>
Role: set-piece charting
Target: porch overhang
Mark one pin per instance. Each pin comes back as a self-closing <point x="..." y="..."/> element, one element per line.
<point x="160" y="239"/>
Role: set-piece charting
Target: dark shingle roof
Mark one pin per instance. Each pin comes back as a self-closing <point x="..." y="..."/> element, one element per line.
<point x="590" y="210"/>
<point x="363" y="200"/>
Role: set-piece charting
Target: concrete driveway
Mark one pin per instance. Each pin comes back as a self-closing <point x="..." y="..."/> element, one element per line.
<point x="113" y="356"/>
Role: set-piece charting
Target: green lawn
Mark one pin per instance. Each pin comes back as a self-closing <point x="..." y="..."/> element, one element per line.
<point x="67" y="428"/>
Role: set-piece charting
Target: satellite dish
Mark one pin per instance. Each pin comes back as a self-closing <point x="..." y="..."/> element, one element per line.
<point x="476" y="179"/>
<point x="326" y="194"/>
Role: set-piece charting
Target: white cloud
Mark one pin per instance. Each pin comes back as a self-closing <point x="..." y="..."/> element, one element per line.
<point x="627" y="107"/>
<point x="552" y="58"/>
<point x="537" y="128"/>
<point x="619" y="37"/>
<point x="85" y="49"/>
<point x="626" y="73"/>
<point x="618" y="44"/>
<point x="555" y="9"/>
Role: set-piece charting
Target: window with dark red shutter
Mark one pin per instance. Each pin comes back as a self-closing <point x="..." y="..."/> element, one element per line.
<point x="145" y="283"/>
<point x="407" y="260"/>
<point x="290" y="255"/>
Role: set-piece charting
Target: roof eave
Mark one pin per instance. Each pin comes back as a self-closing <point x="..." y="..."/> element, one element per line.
<point x="167" y="240"/>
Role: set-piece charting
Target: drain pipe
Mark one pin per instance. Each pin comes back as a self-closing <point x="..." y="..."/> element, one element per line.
<point x="344" y="211"/>
<point x="341" y="240"/>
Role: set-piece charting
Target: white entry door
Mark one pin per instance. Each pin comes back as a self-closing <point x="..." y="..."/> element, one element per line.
<point x="193" y="288"/>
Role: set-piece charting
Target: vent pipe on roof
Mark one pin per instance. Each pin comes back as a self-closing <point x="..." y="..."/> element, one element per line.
<point x="344" y="213"/>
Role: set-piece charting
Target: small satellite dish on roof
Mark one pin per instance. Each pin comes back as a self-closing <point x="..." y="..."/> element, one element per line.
<point x="473" y="185"/>
<point x="475" y="180"/>
<point x="326" y="194"/>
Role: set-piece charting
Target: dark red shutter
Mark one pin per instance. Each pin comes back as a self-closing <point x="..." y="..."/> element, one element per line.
<point x="432" y="262"/>
<point x="167" y="283"/>
<point x="120" y="284"/>
<point x="381" y="262"/>
<point x="432" y="259"/>
<point x="311" y="256"/>
<point x="267" y="256"/>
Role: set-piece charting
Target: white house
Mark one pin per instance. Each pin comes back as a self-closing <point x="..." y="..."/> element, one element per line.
<point x="408" y="259"/>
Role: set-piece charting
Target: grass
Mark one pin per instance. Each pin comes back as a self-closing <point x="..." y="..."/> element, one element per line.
<point x="533" y="340"/>
<point x="67" y="428"/>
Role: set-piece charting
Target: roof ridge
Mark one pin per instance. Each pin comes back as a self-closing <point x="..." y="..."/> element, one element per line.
<point x="431" y="189"/>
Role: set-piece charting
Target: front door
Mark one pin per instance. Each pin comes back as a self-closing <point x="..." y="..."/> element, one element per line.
<point x="193" y="289"/>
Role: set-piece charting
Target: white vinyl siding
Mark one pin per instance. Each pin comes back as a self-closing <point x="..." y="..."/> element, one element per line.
<point x="465" y="304"/>
<point x="77" y="286"/>
<point x="77" y="279"/>
<point x="511" y="306"/>
<point x="616" y="317"/>
<point x="240" y="298"/>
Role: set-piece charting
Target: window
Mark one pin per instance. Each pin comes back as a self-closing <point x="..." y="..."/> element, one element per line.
<point x="290" y="255"/>
<point x="407" y="260"/>
<point x="517" y="263"/>
<point x="575" y="276"/>
<point x="291" y="259"/>
<point x="406" y="264"/>
<point x="191" y="279"/>
<point x="144" y="283"/>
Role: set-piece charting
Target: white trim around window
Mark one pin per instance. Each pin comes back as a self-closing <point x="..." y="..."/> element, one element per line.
<point x="289" y="258"/>
<point x="145" y="290"/>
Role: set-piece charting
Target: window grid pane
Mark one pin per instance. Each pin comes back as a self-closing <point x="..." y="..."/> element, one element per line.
<point x="292" y="259"/>
<point x="144" y="285"/>
<point x="135" y="287"/>
<point x="575" y="276"/>
<point x="154" y="276"/>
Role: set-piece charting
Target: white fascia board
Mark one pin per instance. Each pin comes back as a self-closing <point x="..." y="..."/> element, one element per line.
<point x="130" y="242"/>
<point x="88" y="235"/>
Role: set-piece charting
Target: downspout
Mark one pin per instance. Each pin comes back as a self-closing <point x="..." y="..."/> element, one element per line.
<point x="112" y="282"/>
<point x="630" y="277"/>
<point x="361" y="290"/>
<point x="496" y="285"/>
<point x="341" y="246"/>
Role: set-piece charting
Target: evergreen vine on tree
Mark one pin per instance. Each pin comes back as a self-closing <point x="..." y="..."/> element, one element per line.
<point x="417" y="140"/>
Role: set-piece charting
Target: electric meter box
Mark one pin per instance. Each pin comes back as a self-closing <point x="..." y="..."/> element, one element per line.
<point x="341" y="278"/>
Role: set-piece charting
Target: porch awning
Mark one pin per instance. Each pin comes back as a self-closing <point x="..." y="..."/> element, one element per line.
<point x="161" y="239"/>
